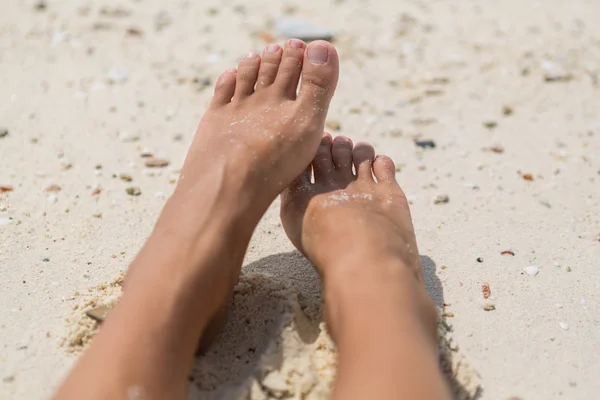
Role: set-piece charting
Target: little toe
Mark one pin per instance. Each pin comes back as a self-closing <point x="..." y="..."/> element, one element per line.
<point x="224" y="88"/>
<point x="362" y="156"/>
<point x="246" y="76"/>
<point x="288" y="74"/>
<point x="342" y="155"/>
<point x="322" y="163"/>
<point x="320" y="73"/>
<point x="269" y="65"/>
<point x="384" y="169"/>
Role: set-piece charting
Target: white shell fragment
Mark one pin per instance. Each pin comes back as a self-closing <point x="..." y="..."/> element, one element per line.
<point x="531" y="270"/>
<point x="564" y="325"/>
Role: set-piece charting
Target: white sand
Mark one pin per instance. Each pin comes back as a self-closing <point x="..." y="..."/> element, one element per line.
<point x="438" y="69"/>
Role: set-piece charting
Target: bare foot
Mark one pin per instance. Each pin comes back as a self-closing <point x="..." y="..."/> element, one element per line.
<point x="261" y="129"/>
<point x="356" y="229"/>
<point x="365" y="212"/>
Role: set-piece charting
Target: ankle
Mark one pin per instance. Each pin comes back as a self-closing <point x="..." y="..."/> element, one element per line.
<point x="377" y="293"/>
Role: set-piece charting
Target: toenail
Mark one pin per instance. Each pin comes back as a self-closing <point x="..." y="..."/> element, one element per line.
<point x="318" y="54"/>
<point x="252" y="55"/>
<point x="296" y="44"/>
<point x="273" y="48"/>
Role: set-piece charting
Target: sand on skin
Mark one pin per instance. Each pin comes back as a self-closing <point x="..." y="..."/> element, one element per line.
<point x="77" y="89"/>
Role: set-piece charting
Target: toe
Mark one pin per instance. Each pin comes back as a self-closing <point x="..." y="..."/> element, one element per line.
<point x="362" y="156"/>
<point x="320" y="73"/>
<point x="342" y="155"/>
<point x="246" y="76"/>
<point x="290" y="68"/>
<point x="322" y="163"/>
<point x="384" y="169"/>
<point x="224" y="88"/>
<point x="269" y="65"/>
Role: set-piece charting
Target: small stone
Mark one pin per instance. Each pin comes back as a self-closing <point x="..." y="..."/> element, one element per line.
<point x="448" y="314"/>
<point x="531" y="270"/>
<point x="554" y="72"/>
<point x="146" y="154"/>
<point x="156" y="162"/>
<point x="333" y="125"/>
<point x="396" y="133"/>
<point x="162" y="20"/>
<point x="52" y="188"/>
<point x="479" y="260"/>
<point x="125" y="177"/>
<point x="303" y="30"/>
<point x="40" y="5"/>
<point x="507" y="111"/>
<point x="527" y="176"/>
<point x="564" y="325"/>
<point x="135" y="32"/>
<point x="117" y="75"/>
<point x="65" y="164"/>
<point x="496" y="149"/>
<point x="485" y="289"/>
<point x="569" y="269"/>
<point x="425" y="144"/>
<point x="46" y="259"/>
<point x="441" y="199"/>
<point x="489" y="306"/>
<point x="127" y="137"/>
<point x="490" y="124"/>
<point x="52" y="199"/>
<point x="99" y="314"/>
<point x="3" y="132"/>
<point x="133" y="191"/>
<point x="96" y="192"/>
<point x="97" y="215"/>
<point x="545" y="203"/>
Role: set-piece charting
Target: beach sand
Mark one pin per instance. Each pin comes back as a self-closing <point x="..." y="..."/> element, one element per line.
<point x="508" y="92"/>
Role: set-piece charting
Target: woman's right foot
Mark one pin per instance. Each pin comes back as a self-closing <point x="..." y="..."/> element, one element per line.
<point x="356" y="228"/>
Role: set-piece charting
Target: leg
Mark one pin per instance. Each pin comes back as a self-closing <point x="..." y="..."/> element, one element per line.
<point x="250" y="144"/>
<point x="357" y="231"/>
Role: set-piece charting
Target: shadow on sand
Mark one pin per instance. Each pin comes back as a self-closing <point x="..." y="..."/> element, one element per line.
<point x="252" y="325"/>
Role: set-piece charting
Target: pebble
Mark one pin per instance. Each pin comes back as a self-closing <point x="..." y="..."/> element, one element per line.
<point x="3" y="131"/>
<point x="303" y="30"/>
<point x="554" y="72"/>
<point x="65" y="164"/>
<point x="52" y="188"/>
<point x="564" y="325"/>
<point x="127" y="137"/>
<point x="117" y="75"/>
<point x="125" y="177"/>
<point x="156" y="162"/>
<point x="441" y="199"/>
<point x="99" y="313"/>
<point x="527" y="176"/>
<point x="531" y="270"/>
<point x="425" y="144"/>
<point x="133" y="191"/>
<point x="490" y="124"/>
<point x="52" y="199"/>
<point x="489" y="307"/>
<point x="479" y="260"/>
<point x="507" y="111"/>
<point x="162" y="20"/>
<point x="333" y="125"/>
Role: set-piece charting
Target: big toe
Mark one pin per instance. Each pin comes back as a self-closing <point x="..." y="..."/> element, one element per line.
<point x="384" y="169"/>
<point x="320" y="71"/>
